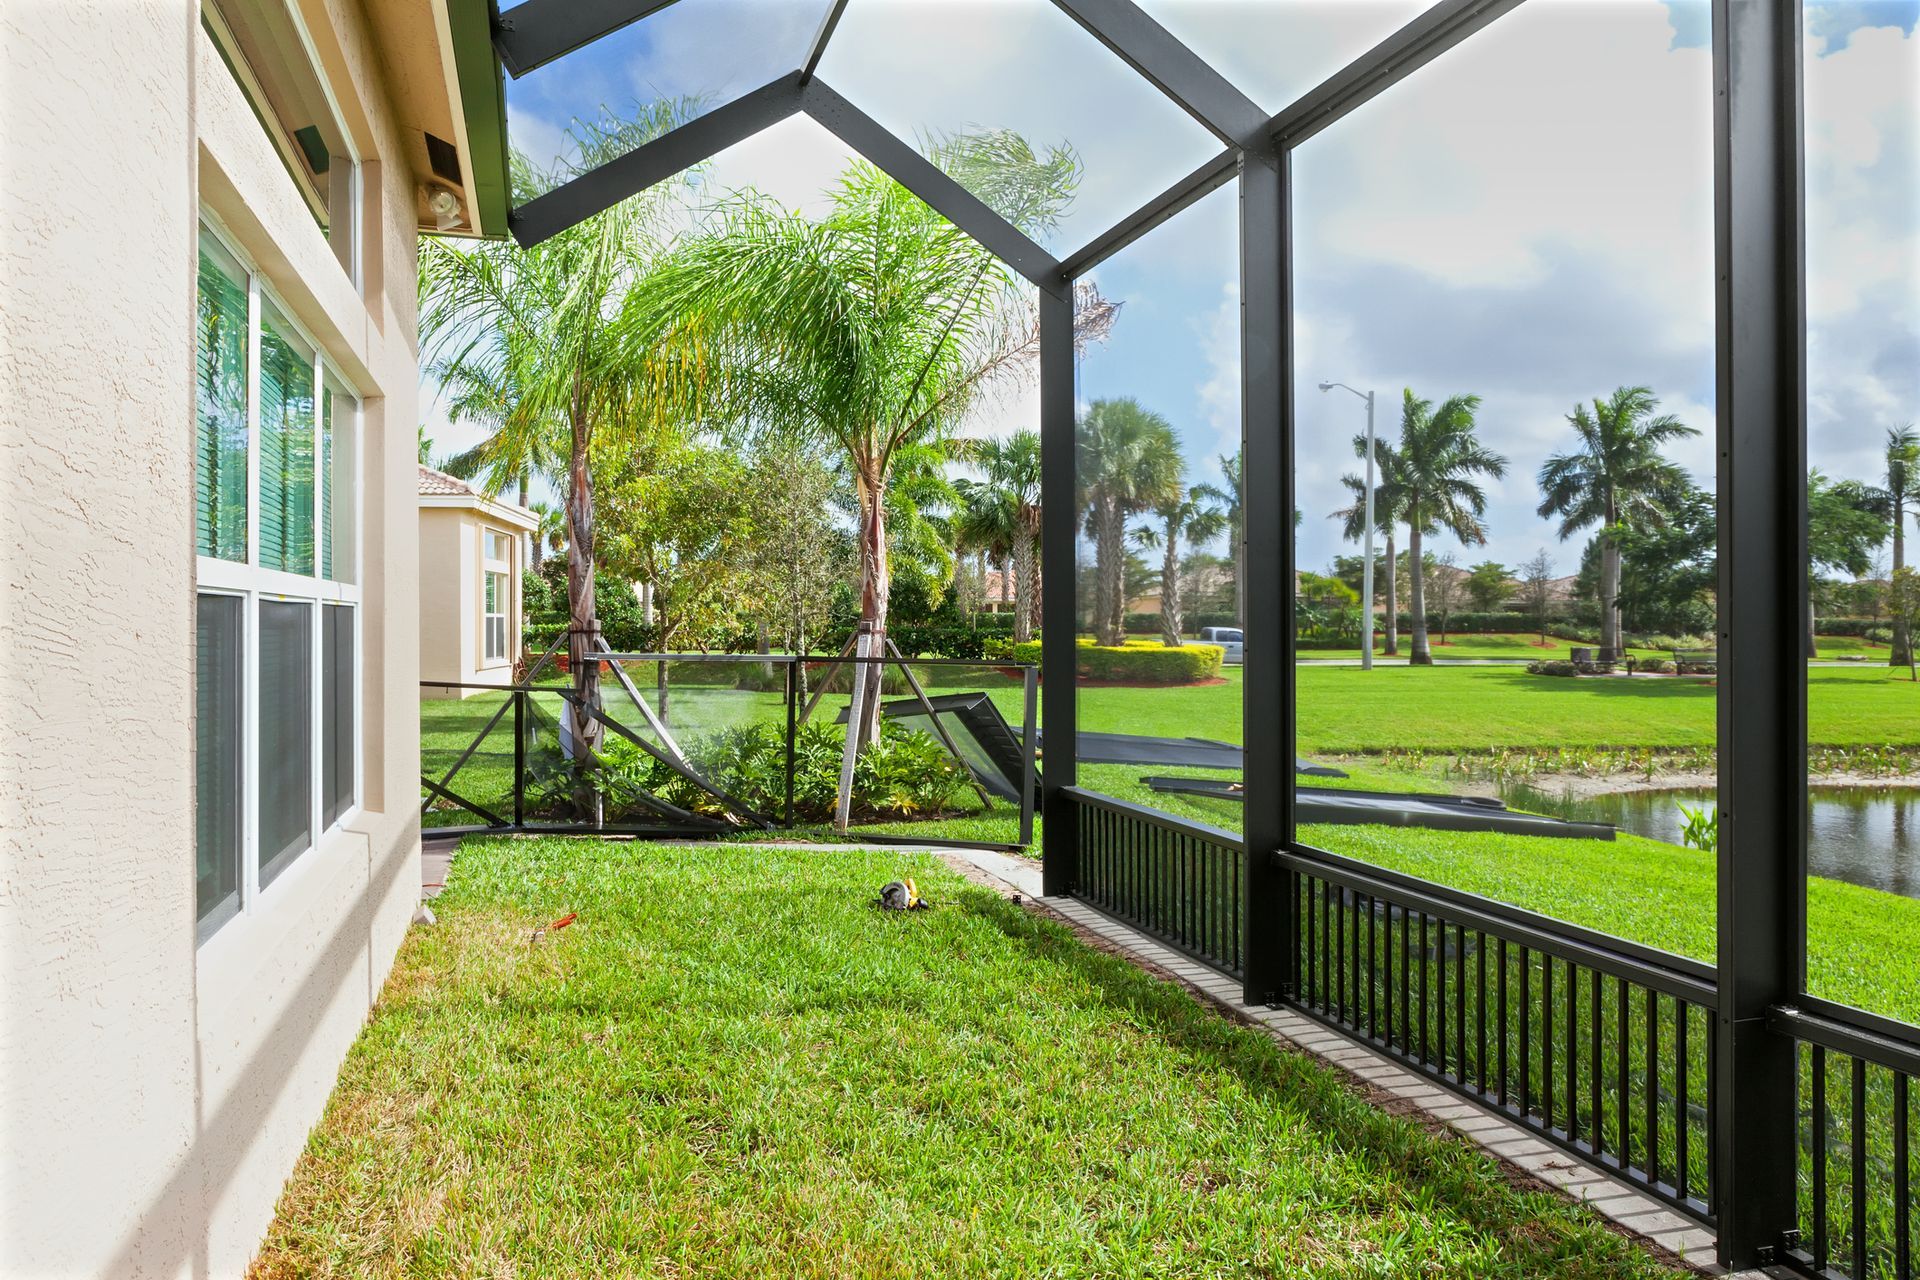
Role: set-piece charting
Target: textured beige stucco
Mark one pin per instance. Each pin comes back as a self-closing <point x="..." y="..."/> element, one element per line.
<point x="452" y="638"/>
<point x="155" y="1093"/>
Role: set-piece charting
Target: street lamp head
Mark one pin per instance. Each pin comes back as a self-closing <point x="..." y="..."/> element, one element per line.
<point x="1326" y="386"/>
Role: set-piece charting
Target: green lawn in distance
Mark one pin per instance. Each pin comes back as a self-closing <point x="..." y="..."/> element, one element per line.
<point x="731" y="1065"/>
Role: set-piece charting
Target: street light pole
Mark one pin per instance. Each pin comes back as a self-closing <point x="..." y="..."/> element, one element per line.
<point x="1366" y="563"/>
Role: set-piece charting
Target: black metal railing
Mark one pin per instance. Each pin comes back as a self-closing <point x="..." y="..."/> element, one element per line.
<point x="520" y="763"/>
<point x="1856" y="1152"/>
<point x="1595" y="1044"/>
<point x="1178" y="881"/>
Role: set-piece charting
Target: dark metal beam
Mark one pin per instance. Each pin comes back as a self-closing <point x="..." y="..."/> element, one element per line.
<point x="1266" y="472"/>
<point x="1428" y="36"/>
<point x="535" y="32"/>
<point x="674" y="152"/>
<point x="1202" y="182"/>
<point x="1177" y="71"/>
<point x="820" y="38"/>
<point x="1760" y="394"/>
<point x="929" y="182"/>
<point x="1059" y="657"/>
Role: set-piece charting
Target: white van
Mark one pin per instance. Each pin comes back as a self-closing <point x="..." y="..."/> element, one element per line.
<point x="1229" y="638"/>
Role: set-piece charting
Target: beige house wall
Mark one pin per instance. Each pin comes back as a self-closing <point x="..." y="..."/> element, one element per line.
<point x="452" y="596"/>
<point x="155" y="1093"/>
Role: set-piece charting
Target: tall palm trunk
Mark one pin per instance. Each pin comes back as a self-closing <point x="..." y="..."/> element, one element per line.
<point x="1393" y="598"/>
<point x="1902" y="654"/>
<point x="583" y="621"/>
<point x="1111" y="606"/>
<point x="1609" y="589"/>
<point x="1170" y="627"/>
<point x="876" y="583"/>
<point x="1022" y="586"/>
<point x="1033" y="595"/>
<point x="1421" y="655"/>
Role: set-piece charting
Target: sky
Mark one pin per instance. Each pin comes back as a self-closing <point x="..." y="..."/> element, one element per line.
<point x="1528" y="218"/>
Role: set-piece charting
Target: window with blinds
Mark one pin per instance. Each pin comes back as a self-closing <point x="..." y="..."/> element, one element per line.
<point x="218" y="757"/>
<point x="220" y="405"/>
<point x="276" y="521"/>
<point x="286" y="446"/>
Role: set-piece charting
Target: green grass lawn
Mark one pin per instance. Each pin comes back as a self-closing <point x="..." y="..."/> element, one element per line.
<point x="730" y="1065"/>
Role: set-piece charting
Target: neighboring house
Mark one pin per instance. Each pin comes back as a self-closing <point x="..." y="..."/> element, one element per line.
<point x="209" y="792"/>
<point x="473" y="553"/>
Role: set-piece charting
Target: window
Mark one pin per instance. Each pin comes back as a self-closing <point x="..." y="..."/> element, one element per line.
<point x="276" y="521"/>
<point x="265" y="46"/>
<point x="496" y="583"/>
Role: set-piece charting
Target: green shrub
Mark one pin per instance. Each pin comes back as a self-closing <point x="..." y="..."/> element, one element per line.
<point x="1877" y="635"/>
<point x="906" y="774"/>
<point x="1552" y="667"/>
<point x="1146" y="662"/>
<point x="1658" y="666"/>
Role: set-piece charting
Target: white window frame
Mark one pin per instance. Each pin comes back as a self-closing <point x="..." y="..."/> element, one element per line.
<point x="252" y="582"/>
<point x="504" y="568"/>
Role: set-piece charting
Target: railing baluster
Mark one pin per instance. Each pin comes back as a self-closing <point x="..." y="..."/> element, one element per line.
<point x="1597" y="1030"/>
<point x="1623" y="1084"/>
<point x="1460" y="1003"/>
<point x="1426" y="1005"/>
<point x="1653" y="1086"/>
<point x="1859" y="1178"/>
<point x="1680" y="1125"/>
<point x="1526" y="1032"/>
<point x="1573" y="1054"/>
<point x="1902" y="1202"/>
<point x="1817" y="1140"/>
<point x="1500" y="1019"/>
<point x="1546" y="1038"/>
<point x="1480" y="1011"/>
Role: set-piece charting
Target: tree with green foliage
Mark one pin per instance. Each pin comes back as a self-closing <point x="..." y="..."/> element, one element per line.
<point x="1903" y="606"/>
<point x="537" y="326"/>
<point x="1002" y="511"/>
<point x="1617" y="479"/>
<point x="1229" y="497"/>
<point x="1899" y="492"/>
<point x="550" y="534"/>
<point x="1129" y="463"/>
<point x="1536" y="591"/>
<point x="871" y="328"/>
<point x="1844" y="526"/>
<point x="1433" y="488"/>
<point x="1191" y="515"/>
<point x="1386" y="490"/>
<point x="1487" y="585"/>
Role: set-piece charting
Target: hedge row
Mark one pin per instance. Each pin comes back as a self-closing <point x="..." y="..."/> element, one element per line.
<point x="1144" y="661"/>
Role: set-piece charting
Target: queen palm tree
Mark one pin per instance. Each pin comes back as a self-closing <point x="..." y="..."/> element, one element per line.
<point x="1195" y="516"/>
<point x="1386" y="463"/>
<point x="1899" y="491"/>
<point x="519" y="445"/>
<point x="871" y="328"/>
<point x="1004" y="507"/>
<point x="534" y="326"/>
<point x="1227" y="497"/>
<point x="1129" y="461"/>
<point x="1433" y="488"/>
<point x="1617" y="479"/>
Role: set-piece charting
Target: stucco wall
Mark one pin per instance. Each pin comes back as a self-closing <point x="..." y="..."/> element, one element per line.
<point x="154" y="1094"/>
<point x="448" y="571"/>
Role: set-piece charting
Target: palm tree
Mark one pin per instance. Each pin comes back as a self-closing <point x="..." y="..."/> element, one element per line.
<point x="1434" y="490"/>
<point x="551" y="533"/>
<point x="1386" y="464"/>
<point x="871" y="328"/>
<point x="1899" y="491"/>
<point x="1615" y="480"/>
<point x="1228" y="497"/>
<point x="1129" y="462"/>
<point x="1194" y="516"/>
<point x="534" y="325"/>
<point x="520" y="443"/>
<point x="1004" y="507"/>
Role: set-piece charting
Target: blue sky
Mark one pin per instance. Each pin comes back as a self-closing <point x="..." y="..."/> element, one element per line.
<point x="1528" y="218"/>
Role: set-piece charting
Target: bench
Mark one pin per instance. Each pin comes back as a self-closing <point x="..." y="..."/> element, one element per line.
<point x="1696" y="662"/>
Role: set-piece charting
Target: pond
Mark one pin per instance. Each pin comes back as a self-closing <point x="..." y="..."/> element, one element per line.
<point x="1864" y="835"/>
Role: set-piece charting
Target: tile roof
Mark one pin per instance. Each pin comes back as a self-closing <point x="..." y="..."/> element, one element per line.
<point x="440" y="484"/>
